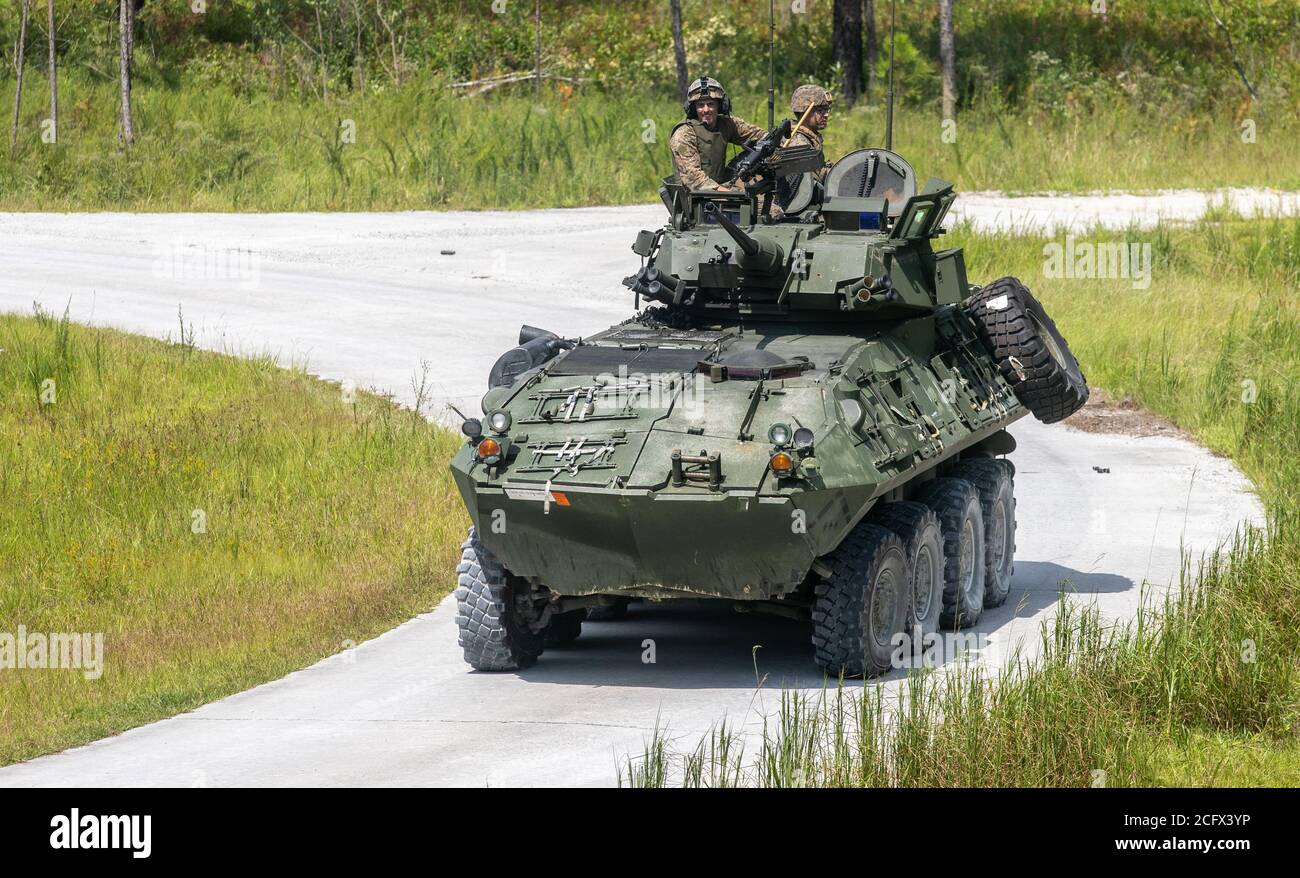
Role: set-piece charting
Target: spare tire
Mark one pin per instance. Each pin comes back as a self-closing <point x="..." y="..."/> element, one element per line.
<point x="1031" y="353"/>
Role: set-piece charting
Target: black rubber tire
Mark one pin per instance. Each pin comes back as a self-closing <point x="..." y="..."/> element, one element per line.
<point x="871" y="561"/>
<point x="565" y="628"/>
<point x="957" y="503"/>
<point x="491" y="635"/>
<point x="919" y="528"/>
<point x="994" y="479"/>
<point x="1053" y="386"/>
<point x="615" y="612"/>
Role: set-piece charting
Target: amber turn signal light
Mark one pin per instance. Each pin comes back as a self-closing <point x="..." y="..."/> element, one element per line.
<point x="782" y="464"/>
<point x="489" y="448"/>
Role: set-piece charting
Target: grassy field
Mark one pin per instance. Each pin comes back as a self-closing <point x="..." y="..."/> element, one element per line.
<point x="206" y="147"/>
<point x="220" y="521"/>
<point x="1203" y="689"/>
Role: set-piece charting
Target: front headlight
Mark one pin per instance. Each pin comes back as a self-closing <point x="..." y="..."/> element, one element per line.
<point x="779" y="434"/>
<point x="499" y="421"/>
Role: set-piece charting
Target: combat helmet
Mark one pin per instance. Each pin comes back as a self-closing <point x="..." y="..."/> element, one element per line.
<point x="706" y="87"/>
<point x="806" y="96"/>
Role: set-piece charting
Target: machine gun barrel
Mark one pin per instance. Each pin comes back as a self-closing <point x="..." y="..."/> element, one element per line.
<point x="757" y="253"/>
<point x="751" y="164"/>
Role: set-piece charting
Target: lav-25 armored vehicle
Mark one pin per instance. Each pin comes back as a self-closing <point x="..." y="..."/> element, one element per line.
<point x="808" y="419"/>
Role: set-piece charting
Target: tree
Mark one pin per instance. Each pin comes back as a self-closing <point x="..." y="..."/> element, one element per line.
<point x="54" y="72"/>
<point x="20" y="51"/>
<point x="679" y="48"/>
<point x="869" y="19"/>
<point x="846" y="47"/>
<point x="948" y="58"/>
<point x="126" y="47"/>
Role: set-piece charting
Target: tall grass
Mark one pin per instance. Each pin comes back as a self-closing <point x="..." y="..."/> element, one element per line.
<point x="221" y="521"/>
<point x="1213" y="667"/>
<point x="207" y="147"/>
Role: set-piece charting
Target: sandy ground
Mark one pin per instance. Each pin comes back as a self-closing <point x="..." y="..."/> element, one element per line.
<point x="367" y="298"/>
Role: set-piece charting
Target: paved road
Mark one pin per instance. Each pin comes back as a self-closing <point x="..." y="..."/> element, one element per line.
<point x="366" y="297"/>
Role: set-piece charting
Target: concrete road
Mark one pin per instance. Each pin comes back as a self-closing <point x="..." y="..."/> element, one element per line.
<point x="366" y="297"/>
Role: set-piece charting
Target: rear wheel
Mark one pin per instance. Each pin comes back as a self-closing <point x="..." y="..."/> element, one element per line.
<point x="493" y="631"/>
<point x="993" y="479"/>
<point x="919" y="528"/>
<point x="957" y="503"/>
<point x="862" y="604"/>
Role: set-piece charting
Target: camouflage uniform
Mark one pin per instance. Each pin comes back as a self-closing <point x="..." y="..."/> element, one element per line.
<point x="806" y="96"/>
<point x="700" y="154"/>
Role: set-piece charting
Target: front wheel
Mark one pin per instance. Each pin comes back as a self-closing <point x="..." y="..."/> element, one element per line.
<point x="862" y="605"/>
<point x="493" y="632"/>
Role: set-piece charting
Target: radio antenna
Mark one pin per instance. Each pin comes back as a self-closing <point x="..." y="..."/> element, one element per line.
<point x="771" y="64"/>
<point x="889" y="98"/>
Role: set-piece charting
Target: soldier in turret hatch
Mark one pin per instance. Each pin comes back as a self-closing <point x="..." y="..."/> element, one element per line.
<point x="812" y="104"/>
<point x="699" y="143"/>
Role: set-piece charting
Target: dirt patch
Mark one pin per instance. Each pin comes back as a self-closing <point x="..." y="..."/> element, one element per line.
<point x="1105" y="414"/>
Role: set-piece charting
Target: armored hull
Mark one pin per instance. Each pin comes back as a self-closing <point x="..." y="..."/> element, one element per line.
<point x="601" y="424"/>
<point x="809" y="419"/>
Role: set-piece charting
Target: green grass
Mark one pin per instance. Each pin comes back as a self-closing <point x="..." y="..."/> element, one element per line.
<point x="205" y="147"/>
<point x="1200" y="689"/>
<point x="321" y="523"/>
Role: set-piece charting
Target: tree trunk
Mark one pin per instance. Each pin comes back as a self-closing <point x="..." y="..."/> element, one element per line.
<point x="54" y="75"/>
<point x="20" y="52"/>
<point x="846" y="47"/>
<point x="537" y="57"/>
<point x="948" y="58"/>
<point x="869" y="19"/>
<point x="679" y="49"/>
<point x="126" y="41"/>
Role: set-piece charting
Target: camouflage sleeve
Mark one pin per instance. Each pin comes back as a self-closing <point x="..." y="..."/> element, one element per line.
<point x="744" y="132"/>
<point x="686" y="160"/>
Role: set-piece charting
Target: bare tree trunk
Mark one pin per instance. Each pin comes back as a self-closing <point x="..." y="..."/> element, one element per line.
<point x="537" y="56"/>
<point x="869" y="19"/>
<point x="126" y="31"/>
<point x="679" y="49"/>
<point x="948" y="58"/>
<point x="20" y="52"/>
<point x="54" y="74"/>
<point x="846" y="47"/>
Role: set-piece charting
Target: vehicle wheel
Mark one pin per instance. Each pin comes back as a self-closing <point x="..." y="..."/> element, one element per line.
<point x="957" y="503"/>
<point x="862" y="604"/>
<point x="492" y="633"/>
<point x="918" y="526"/>
<point x="1031" y="353"/>
<point x="612" y="613"/>
<point x="993" y="478"/>
<point x="565" y="628"/>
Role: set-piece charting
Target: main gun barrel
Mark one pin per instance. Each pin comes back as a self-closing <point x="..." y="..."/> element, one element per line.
<point x="757" y="252"/>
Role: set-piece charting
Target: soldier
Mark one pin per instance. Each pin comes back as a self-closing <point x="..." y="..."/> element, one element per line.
<point x="810" y="132"/>
<point x="807" y="133"/>
<point x="699" y="143"/>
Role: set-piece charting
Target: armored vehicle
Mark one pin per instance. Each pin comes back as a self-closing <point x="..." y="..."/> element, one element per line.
<point x="808" y="417"/>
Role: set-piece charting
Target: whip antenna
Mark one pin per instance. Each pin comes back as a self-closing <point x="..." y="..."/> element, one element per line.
<point x="889" y="98"/>
<point x="771" y="65"/>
